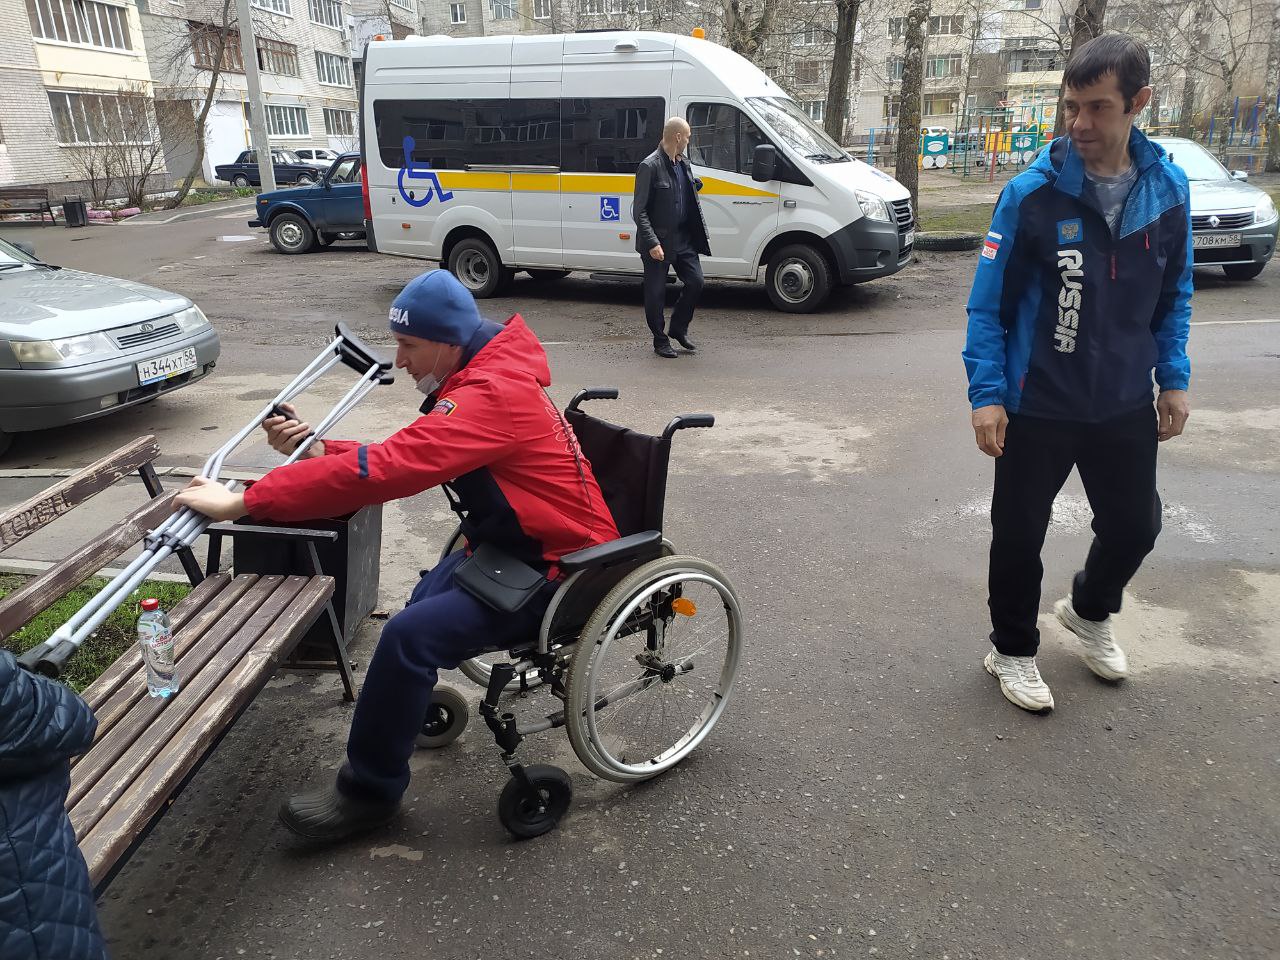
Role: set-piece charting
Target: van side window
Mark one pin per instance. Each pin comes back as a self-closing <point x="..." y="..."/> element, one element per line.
<point x="609" y="134"/>
<point x="723" y="137"/>
<point x="453" y="134"/>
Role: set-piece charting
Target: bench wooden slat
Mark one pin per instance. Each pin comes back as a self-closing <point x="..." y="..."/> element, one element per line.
<point x="17" y="609"/>
<point x="131" y="687"/>
<point x="145" y="797"/>
<point x="134" y="713"/>
<point x="19" y="522"/>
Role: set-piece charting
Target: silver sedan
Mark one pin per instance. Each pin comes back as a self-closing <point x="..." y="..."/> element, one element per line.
<point x="1233" y="223"/>
<point x="74" y="346"/>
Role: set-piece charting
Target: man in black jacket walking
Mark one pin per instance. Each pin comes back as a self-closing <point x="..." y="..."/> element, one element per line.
<point x="670" y="231"/>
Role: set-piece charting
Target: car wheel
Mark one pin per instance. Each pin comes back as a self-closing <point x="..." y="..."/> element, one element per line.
<point x="240" y="181"/>
<point x="1242" y="271"/>
<point x="798" y="279"/>
<point x="475" y="262"/>
<point x="290" y="233"/>
<point x="305" y="179"/>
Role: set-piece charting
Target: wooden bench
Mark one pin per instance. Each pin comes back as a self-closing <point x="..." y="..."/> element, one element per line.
<point x="231" y="633"/>
<point x="26" y="200"/>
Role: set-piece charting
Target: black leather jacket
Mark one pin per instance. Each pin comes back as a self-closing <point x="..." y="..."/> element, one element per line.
<point x="654" y="205"/>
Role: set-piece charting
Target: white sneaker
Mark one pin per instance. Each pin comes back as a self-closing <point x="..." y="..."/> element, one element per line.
<point x="1020" y="681"/>
<point x="1101" y="653"/>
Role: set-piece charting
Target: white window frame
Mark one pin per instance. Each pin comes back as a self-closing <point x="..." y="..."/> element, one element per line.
<point x="273" y="6"/>
<point x="282" y="121"/>
<point x="502" y="9"/>
<point x="72" y="106"/>
<point x="594" y="8"/>
<point x="327" y="64"/>
<point x="318" y="10"/>
<point x="816" y="110"/>
<point x="113" y="27"/>
<point x="331" y="128"/>
<point x="457" y="13"/>
<point x="544" y="6"/>
<point x="810" y="35"/>
<point x="402" y="4"/>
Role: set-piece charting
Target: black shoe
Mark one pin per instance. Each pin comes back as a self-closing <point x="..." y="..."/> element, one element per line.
<point x="326" y="815"/>
<point x="664" y="350"/>
<point x="686" y="343"/>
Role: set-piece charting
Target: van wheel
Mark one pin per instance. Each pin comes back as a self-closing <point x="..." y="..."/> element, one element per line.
<point x="477" y="265"/>
<point x="290" y="233"/>
<point x="798" y="279"/>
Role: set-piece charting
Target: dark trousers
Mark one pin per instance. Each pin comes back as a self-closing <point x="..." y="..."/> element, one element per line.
<point x="441" y="626"/>
<point x="682" y="256"/>
<point x="1117" y="463"/>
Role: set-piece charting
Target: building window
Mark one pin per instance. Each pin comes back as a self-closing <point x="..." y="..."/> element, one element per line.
<point x="502" y="9"/>
<point x="542" y="9"/>
<point x="275" y="6"/>
<point x="83" y="119"/>
<point x="339" y="123"/>
<point x="808" y="71"/>
<point x="945" y="26"/>
<point x="1031" y="62"/>
<point x="642" y="6"/>
<point x="287" y="121"/>
<point x="615" y="7"/>
<point x="595" y="8"/>
<point x="897" y="26"/>
<point x="940" y="104"/>
<point x="80" y="21"/>
<point x="205" y="38"/>
<point x="402" y="4"/>
<point x="811" y="36"/>
<point x="333" y="69"/>
<point x="948" y="66"/>
<point x="457" y="13"/>
<point x="892" y="104"/>
<point x="275" y="56"/>
<point x="815" y="109"/>
<point x="326" y="12"/>
<point x="1032" y="4"/>
<point x="893" y="68"/>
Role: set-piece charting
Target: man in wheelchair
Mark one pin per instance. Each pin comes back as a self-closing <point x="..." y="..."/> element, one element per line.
<point x="514" y="472"/>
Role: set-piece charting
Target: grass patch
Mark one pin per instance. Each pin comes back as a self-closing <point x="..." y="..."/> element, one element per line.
<point x="197" y="198"/>
<point x="971" y="217"/>
<point x="113" y="638"/>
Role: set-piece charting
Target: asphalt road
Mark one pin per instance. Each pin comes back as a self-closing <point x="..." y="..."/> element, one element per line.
<point x="869" y="791"/>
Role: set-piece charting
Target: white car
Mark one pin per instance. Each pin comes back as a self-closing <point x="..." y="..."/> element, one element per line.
<point x="75" y="346"/>
<point x="317" y="157"/>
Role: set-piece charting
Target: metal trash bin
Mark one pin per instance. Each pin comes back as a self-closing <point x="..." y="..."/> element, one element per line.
<point x="75" y="211"/>
<point x="353" y="560"/>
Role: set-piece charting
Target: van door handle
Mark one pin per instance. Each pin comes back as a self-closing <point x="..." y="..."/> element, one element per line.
<point x="789" y="204"/>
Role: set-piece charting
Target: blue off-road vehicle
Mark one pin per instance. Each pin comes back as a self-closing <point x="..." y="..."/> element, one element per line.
<point x="299" y="218"/>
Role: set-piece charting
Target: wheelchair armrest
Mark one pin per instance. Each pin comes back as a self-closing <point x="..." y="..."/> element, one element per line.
<point x="636" y="546"/>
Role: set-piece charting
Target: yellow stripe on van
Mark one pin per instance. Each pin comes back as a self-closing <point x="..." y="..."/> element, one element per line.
<point x="584" y="183"/>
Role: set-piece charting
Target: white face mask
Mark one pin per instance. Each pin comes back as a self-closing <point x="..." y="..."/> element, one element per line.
<point x="430" y="383"/>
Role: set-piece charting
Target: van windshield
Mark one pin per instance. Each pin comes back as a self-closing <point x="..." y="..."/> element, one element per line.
<point x="793" y="126"/>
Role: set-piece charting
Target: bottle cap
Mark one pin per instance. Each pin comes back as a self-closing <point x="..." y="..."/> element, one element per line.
<point x="151" y="604"/>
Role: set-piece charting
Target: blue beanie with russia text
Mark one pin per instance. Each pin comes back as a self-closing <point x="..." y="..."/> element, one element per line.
<point x="436" y="306"/>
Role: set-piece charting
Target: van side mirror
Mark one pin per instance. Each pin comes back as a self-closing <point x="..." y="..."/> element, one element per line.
<point x="764" y="163"/>
<point x="1239" y="174"/>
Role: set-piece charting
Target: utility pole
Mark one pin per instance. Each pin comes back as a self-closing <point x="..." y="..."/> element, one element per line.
<point x="257" y="110"/>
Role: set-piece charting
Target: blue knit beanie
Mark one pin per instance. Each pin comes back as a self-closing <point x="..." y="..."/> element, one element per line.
<point x="436" y="306"/>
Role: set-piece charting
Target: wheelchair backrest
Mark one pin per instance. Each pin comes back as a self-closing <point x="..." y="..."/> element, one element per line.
<point x="630" y="467"/>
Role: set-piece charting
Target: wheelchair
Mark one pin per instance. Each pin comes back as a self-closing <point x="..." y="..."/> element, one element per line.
<point x="637" y="652"/>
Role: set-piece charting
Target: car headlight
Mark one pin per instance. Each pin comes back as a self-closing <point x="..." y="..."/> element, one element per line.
<point x="873" y="207"/>
<point x="65" y="351"/>
<point x="191" y="319"/>
<point x="1265" y="211"/>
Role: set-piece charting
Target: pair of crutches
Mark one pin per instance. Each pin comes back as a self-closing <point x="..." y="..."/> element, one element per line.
<point x="184" y="526"/>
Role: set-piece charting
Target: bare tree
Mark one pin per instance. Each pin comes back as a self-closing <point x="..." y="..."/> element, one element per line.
<point x="139" y="154"/>
<point x="1271" y="90"/>
<point x="906" y="156"/>
<point x="1086" y="23"/>
<point x="747" y="25"/>
<point x="837" y="111"/>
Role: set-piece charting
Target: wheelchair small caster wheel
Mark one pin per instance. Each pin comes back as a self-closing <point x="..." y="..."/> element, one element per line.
<point x="445" y="720"/>
<point x="527" y="816"/>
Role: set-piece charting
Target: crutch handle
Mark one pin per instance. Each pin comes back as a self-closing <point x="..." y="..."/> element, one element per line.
<point x="359" y="356"/>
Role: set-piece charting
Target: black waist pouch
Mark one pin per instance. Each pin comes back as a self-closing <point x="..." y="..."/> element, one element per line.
<point x="497" y="579"/>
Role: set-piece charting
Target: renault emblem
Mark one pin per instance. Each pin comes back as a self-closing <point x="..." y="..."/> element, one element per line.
<point x="1215" y="222"/>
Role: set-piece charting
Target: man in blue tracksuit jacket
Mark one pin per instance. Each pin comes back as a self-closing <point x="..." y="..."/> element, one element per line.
<point x="1083" y="288"/>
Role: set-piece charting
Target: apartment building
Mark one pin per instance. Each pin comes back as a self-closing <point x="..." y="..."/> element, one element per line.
<point x="308" y="56"/>
<point x="75" y="75"/>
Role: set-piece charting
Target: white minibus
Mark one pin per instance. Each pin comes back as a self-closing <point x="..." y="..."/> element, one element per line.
<point x="497" y="154"/>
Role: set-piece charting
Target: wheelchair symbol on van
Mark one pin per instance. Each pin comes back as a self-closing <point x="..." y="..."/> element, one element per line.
<point x="609" y="208"/>
<point x="415" y="171"/>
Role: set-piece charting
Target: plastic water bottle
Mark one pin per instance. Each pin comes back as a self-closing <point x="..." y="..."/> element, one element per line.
<point x="155" y="638"/>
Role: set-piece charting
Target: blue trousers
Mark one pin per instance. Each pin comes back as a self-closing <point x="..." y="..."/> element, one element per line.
<point x="440" y="626"/>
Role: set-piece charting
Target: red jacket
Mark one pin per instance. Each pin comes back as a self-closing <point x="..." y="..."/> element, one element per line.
<point x="494" y="436"/>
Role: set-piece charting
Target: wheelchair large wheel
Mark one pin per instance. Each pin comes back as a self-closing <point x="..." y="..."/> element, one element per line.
<point x="654" y="669"/>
